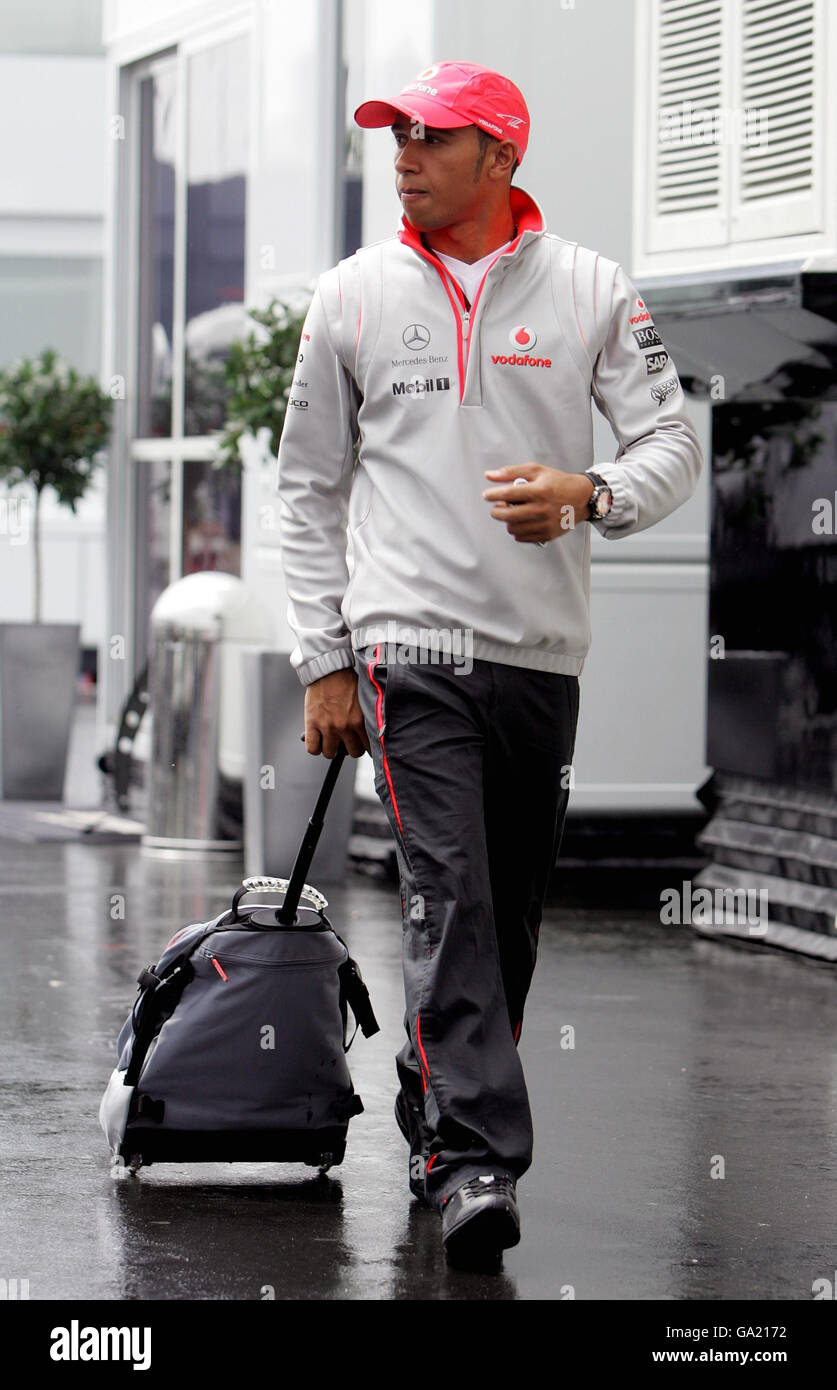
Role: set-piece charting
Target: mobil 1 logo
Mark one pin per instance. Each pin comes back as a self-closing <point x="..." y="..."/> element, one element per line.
<point x="420" y="386"/>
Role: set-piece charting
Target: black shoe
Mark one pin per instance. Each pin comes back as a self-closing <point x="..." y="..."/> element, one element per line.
<point x="410" y="1120"/>
<point x="480" y="1220"/>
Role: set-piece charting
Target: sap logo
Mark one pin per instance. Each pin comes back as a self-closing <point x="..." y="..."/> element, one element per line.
<point x="421" y="386"/>
<point x="654" y="362"/>
<point x="661" y="392"/>
<point x="647" y="337"/>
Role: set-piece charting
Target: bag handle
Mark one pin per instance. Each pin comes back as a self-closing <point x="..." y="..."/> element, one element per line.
<point x="287" y="912"/>
<point x="318" y="900"/>
<point x="295" y="887"/>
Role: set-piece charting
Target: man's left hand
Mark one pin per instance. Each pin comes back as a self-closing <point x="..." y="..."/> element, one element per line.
<point x="546" y="508"/>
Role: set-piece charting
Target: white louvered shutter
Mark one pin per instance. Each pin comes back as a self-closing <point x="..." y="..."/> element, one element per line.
<point x="776" y="185"/>
<point x="688" y="185"/>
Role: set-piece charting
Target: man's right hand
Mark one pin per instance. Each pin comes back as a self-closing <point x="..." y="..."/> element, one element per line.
<point x="333" y="715"/>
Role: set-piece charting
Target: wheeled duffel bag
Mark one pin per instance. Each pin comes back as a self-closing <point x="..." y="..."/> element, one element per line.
<point x="235" y="1050"/>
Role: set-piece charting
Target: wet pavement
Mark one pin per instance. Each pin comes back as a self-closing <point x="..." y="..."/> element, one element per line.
<point x="689" y="1058"/>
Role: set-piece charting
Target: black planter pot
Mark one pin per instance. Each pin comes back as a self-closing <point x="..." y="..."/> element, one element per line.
<point x="38" y="671"/>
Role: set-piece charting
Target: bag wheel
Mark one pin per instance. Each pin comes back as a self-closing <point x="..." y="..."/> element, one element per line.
<point x="120" y="1169"/>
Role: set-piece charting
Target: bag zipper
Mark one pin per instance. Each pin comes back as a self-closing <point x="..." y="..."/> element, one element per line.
<point x="259" y="961"/>
<point x="218" y="967"/>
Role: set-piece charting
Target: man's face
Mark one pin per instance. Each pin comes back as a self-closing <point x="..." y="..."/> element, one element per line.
<point x="440" y="176"/>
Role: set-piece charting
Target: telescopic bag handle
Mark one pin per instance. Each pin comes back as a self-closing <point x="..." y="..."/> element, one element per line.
<point x="295" y="886"/>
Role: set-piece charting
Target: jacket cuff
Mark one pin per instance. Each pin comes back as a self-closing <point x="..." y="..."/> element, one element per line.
<point x="318" y="666"/>
<point x="624" y="509"/>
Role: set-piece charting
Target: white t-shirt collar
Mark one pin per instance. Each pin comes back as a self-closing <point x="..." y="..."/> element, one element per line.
<point x="470" y="274"/>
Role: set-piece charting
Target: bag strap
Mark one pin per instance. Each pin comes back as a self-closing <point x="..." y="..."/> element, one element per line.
<point x="159" y="995"/>
<point x="354" y="992"/>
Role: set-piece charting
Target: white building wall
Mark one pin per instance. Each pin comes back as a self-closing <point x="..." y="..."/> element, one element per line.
<point x="54" y="114"/>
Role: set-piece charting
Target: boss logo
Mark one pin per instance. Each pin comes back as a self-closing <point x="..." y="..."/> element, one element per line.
<point x="647" y="337"/>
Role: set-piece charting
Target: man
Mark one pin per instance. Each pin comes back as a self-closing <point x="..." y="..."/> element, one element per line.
<point x="461" y="356"/>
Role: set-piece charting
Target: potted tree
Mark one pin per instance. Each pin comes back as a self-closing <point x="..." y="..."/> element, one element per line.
<point x="53" y="424"/>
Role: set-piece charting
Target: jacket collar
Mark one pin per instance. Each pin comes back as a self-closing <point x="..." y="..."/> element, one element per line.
<point x="527" y="214"/>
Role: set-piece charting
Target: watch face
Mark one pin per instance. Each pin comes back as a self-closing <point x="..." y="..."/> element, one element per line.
<point x="601" y="502"/>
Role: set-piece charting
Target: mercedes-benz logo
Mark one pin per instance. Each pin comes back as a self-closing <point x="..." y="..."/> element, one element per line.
<point x="415" y="336"/>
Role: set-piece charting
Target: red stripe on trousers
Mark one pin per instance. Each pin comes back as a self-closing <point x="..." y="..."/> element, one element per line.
<point x="425" y="1073"/>
<point x="379" y="709"/>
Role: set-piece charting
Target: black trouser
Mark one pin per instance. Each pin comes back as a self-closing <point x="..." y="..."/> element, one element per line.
<point x="473" y="770"/>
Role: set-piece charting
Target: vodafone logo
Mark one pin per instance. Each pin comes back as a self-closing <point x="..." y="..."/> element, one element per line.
<point x="523" y="338"/>
<point x="644" y="317"/>
<point x="428" y="73"/>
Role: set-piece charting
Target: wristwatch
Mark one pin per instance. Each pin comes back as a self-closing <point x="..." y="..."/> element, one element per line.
<point x="601" y="498"/>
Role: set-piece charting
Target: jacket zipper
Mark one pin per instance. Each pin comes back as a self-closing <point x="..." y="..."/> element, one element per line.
<point x="462" y="315"/>
<point x="454" y="290"/>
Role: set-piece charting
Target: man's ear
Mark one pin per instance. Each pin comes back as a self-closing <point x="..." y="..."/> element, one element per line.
<point x="503" y="156"/>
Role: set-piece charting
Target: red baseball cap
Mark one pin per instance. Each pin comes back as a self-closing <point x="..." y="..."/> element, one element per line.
<point x="448" y="95"/>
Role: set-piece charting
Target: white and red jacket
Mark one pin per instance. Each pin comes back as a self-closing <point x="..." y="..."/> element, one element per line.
<point x="399" y="540"/>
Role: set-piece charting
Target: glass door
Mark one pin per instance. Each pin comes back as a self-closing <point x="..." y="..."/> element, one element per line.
<point x="189" y="215"/>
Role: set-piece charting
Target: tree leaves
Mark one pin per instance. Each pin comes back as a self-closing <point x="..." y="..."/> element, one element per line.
<point x="259" y="372"/>
<point x="53" y="423"/>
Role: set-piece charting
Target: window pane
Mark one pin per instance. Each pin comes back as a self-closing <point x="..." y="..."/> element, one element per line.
<point x="355" y="93"/>
<point x="152" y="570"/>
<point x="211" y="519"/>
<point x="156" y="253"/>
<point x="219" y="99"/>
